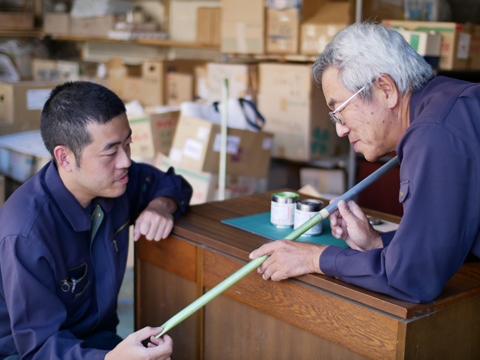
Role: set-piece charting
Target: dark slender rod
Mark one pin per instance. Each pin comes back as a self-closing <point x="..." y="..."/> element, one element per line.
<point x="232" y="279"/>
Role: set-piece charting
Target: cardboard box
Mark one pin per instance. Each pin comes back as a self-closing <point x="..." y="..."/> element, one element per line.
<point x="53" y="70"/>
<point x="93" y="26"/>
<point x="16" y="20"/>
<point x="282" y="31"/>
<point x="153" y="133"/>
<point x="154" y="77"/>
<point x="196" y="146"/>
<point x="205" y="185"/>
<point x="179" y="88"/>
<point x="22" y="155"/>
<point x="454" y="54"/>
<point x="183" y="18"/>
<point x="473" y="62"/>
<point x="242" y="80"/>
<point x="208" y="26"/>
<point x="243" y="26"/>
<point x="426" y="44"/>
<point x="56" y="23"/>
<point x="379" y="10"/>
<point x="319" y="29"/>
<point x="296" y="113"/>
<point x="23" y="102"/>
<point x="326" y="181"/>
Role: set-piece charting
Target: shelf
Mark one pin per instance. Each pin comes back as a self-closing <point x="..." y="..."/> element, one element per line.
<point x="167" y="43"/>
<point x="33" y="33"/>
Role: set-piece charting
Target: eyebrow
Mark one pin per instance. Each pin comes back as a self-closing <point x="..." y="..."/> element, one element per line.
<point x="110" y="145"/>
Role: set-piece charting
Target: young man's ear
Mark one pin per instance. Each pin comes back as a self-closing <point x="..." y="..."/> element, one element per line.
<point x="64" y="157"/>
<point x="389" y="90"/>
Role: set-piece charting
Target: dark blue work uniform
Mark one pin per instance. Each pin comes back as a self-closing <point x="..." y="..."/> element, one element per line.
<point x="440" y="191"/>
<point x="61" y="269"/>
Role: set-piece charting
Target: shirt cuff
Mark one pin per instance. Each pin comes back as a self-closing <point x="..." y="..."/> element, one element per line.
<point x="327" y="260"/>
<point x="387" y="238"/>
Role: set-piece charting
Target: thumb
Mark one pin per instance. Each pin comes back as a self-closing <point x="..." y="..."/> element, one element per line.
<point x="136" y="233"/>
<point x="344" y="210"/>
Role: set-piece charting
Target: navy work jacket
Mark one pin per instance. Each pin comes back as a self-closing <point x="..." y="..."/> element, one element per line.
<point x="61" y="269"/>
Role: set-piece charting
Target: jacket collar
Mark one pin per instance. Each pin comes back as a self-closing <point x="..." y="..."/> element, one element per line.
<point x="71" y="208"/>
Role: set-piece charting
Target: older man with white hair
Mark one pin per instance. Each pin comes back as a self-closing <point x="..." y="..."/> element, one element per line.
<point x="385" y="98"/>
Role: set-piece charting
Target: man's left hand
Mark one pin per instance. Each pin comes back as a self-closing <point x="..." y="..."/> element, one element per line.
<point x="288" y="259"/>
<point x="156" y="221"/>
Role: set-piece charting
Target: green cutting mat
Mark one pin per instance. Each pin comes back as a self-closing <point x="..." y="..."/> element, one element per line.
<point x="260" y="224"/>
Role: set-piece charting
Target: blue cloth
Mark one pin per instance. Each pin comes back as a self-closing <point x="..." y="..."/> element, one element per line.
<point x="440" y="191"/>
<point x="45" y="243"/>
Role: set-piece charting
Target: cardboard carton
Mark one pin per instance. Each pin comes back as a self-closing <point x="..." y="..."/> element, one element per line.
<point x="179" y="88"/>
<point x="16" y="20"/>
<point x="205" y="184"/>
<point x="208" y="26"/>
<point x="152" y="133"/>
<point x="243" y="26"/>
<point x="154" y="79"/>
<point x="93" y="26"/>
<point x="196" y="146"/>
<point x="56" y="23"/>
<point x="242" y="80"/>
<point x="318" y="30"/>
<point x="22" y="102"/>
<point x="454" y="53"/>
<point x="296" y="113"/>
<point x="53" y="70"/>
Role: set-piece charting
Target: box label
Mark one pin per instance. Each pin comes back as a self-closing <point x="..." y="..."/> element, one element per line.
<point x="37" y="98"/>
<point x="193" y="149"/>
<point x="463" y="46"/>
<point x="233" y="144"/>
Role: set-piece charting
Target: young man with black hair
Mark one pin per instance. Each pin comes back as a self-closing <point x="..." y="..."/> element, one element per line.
<point x="64" y="234"/>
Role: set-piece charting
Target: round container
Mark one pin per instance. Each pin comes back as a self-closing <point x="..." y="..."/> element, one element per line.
<point x="283" y="209"/>
<point x="304" y="211"/>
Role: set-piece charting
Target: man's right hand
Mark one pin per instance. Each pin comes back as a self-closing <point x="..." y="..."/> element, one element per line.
<point x="351" y="224"/>
<point x="132" y="348"/>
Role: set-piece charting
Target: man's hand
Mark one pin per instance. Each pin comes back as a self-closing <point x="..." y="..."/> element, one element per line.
<point x="288" y="259"/>
<point x="351" y="224"/>
<point x="132" y="348"/>
<point x="156" y="221"/>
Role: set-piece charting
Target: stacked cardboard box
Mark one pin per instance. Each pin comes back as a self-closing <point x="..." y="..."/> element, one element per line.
<point x="153" y="82"/>
<point x="21" y="105"/>
<point x="460" y="48"/>
<point x="296" y="113"/>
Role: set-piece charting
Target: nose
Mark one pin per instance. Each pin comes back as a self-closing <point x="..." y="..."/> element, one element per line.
<point x="342" y="130"/>
<point x="124" y="160"/>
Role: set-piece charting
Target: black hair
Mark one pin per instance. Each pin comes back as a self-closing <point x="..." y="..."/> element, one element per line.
<point x="70" y="108"/>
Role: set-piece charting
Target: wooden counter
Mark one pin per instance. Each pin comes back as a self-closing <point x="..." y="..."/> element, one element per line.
<point x="309" y="317"/>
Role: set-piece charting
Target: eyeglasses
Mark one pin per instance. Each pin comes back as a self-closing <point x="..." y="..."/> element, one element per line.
<point x="333" y="114"/>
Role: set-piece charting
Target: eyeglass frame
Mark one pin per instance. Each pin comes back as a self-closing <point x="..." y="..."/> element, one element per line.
<point x="333" y="114"/>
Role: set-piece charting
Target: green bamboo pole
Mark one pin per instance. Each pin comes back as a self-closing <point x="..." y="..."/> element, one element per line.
<point x="255" y="263"/>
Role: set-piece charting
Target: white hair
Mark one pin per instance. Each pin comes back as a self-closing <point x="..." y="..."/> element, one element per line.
<point x="363" y="51"/>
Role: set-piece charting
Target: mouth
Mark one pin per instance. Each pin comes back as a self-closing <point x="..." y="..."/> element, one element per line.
<point x="123" y="179"/>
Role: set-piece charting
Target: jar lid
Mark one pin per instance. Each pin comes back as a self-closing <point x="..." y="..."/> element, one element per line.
<point x="285" y="197"/>
<point x="309" y="205"/>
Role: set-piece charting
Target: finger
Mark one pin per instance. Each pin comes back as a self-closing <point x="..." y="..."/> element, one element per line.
<point x="266" y="249"/>
<point x="136" y="233"/>
<point x="333" y="200"/>
<point x="146" y="333"/>
<point x="344" y="210"/>
<point x="356" y="210"/>
<point x="167" y="229"/>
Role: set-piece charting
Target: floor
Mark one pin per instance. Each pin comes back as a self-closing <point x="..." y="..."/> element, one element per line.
<point x="125" y="305"/>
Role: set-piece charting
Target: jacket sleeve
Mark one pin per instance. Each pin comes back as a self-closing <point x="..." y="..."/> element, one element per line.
<point x="439" y="184"/>
<point x="37" y="315"/>
<point x="147" y="183"/>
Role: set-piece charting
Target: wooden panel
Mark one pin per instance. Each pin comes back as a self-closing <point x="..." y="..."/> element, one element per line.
<point x="351" y="325"/>
<point x="452" y="333"/>
<point x="202" y="224"/>
<point x="172" y="254"/>
<point x="161" y="295"/>
<point x="237" y="331"/>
